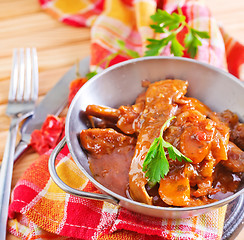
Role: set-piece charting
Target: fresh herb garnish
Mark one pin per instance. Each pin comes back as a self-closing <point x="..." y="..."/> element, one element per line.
<point x="171" y="25"/>
<point x="91" y="74"/>
<point x="155" y="163"/>
<point x="192" y="41"/>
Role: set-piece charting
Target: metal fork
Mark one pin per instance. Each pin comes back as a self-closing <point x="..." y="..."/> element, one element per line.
<point x="23" y="94"/>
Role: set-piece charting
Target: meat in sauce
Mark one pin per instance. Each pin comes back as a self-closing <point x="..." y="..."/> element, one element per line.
<point x="213" y="141"/>
<point x="110" y="155"/>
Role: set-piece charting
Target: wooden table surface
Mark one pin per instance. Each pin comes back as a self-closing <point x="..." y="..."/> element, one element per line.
<point x="24" y="24"/>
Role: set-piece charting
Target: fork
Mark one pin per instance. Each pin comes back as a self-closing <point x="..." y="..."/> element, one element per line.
<point x="23" y="93"/>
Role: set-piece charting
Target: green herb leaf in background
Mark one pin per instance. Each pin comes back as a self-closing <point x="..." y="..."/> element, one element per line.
<point x="172" y="25"/>
<point x="176" y="48"/>
<point x="155" y="46"/>
<point x="164" y="19"/>
<point x="91" y="74"/>
<point x="192" y="41"/>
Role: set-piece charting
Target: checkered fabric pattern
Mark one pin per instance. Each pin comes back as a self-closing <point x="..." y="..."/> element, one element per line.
<point x="129" y="20"/>
<point x="41" y="210"/>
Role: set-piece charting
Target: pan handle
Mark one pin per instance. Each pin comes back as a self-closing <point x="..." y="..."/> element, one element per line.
<point x="68" y="189"/>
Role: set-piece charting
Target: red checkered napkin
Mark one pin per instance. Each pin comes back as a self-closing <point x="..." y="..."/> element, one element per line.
<point x="41" y="210"/>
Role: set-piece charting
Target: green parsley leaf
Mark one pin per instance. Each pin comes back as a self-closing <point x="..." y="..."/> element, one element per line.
<point x="201" y="34"/>
<point x="164" y="19"/>
<point x="157" y="28"/>
<point x="157" y="169"/>
<point x="176" y="48"/>
<point x="154" y="47"/>
<point x="169" y="24"/>
<point x="160" y="16"/>
<point x="91" y="74"/>
<point x="152" y="152"/>
<point x="172" y="25"/>
<point x="155" y="164"/>
<point x="192" y="42"/>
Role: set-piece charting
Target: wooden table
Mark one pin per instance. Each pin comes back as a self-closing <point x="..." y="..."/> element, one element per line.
<point x="24" y="24"/>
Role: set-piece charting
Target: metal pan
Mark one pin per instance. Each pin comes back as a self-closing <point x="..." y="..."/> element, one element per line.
<point x="119" y="85"/>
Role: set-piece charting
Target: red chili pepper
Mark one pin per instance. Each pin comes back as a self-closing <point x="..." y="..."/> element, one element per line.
<point x="75" y="86"/>
<point x="49" y="135"/>
<point x="52" y="130"/>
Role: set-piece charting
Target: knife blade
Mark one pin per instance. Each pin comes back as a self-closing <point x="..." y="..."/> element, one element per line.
<point x="53" y="103"/>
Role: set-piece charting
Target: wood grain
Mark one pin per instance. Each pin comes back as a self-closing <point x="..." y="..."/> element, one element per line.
<point x="24" y="24"/>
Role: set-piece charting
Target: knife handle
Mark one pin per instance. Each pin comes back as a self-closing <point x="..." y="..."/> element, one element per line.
<point x="20" y="149"/>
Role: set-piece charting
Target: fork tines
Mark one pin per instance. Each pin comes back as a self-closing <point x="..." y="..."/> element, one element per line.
<point x="24" y="77"/>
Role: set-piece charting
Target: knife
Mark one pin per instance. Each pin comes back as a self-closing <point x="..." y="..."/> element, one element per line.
<point x="53" y="103"/>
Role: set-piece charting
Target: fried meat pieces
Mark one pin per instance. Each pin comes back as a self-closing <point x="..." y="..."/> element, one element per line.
<point x="159" y="106"/>
<point x="197" y="132"/>
<point x="109" y="154"/>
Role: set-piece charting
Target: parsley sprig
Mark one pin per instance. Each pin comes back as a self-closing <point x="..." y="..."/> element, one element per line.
<point x="172" y="25"/>
<point x="155" y="164"/>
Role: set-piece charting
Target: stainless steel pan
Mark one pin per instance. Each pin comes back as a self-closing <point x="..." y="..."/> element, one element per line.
<point x="119" y="85"/>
